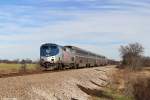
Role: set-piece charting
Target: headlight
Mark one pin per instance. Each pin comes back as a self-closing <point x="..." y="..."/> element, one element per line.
<point x="42" y="59"/>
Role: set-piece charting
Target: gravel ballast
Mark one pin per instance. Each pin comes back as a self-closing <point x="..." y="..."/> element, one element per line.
<point x="62" y="85"/>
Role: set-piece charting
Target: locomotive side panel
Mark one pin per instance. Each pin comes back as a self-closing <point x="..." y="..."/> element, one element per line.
<point x="68" y="57"/>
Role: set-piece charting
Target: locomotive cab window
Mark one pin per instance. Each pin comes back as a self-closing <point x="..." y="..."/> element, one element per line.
<point x="64" y="49"/>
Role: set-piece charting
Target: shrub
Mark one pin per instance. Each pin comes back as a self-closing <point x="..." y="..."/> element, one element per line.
<point x="23" y="67"/>
<point x="146" y="61"/>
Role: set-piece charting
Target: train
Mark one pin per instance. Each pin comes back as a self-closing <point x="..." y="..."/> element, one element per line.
<point x="54" y="56"/>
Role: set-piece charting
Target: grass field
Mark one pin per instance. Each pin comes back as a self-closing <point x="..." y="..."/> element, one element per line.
<point x="12" y="68"/>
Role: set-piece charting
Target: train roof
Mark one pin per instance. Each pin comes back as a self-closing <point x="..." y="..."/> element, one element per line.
<point x="52" y="44"/>
<point x="49" y="44"/>
<point x="77" y="48"/>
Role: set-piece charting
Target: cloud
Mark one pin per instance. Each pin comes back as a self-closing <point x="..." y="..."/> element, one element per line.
<point x="96" y="25"/>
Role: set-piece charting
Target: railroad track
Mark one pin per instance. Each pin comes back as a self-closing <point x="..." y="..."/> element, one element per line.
<point x="33" y="72"/>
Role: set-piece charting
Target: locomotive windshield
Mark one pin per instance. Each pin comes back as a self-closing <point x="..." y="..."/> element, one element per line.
<point x="49" y="50"/>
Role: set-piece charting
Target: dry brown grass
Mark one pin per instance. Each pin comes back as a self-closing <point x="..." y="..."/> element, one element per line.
<point x="141" y="88"/>
<point x="133" y="84"/>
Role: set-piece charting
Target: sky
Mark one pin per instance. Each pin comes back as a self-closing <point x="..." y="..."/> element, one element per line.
<point x="100" y="26"/>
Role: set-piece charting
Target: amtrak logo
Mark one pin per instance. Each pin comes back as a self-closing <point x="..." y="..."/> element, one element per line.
<point x="48" y="51"/>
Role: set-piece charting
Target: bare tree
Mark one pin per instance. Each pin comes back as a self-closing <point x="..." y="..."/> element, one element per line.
<point x="132" y="55"/>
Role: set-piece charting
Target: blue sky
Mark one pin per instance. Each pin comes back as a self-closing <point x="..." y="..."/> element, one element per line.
<point x="100" y="26"/>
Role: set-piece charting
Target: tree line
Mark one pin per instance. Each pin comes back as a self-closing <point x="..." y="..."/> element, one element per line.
<point x="18" y="61"/>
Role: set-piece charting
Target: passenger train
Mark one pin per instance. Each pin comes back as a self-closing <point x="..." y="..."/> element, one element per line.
<point x="53" y="56"/>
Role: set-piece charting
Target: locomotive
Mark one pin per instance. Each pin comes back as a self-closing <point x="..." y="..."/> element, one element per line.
<point x="53" y="56"/>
